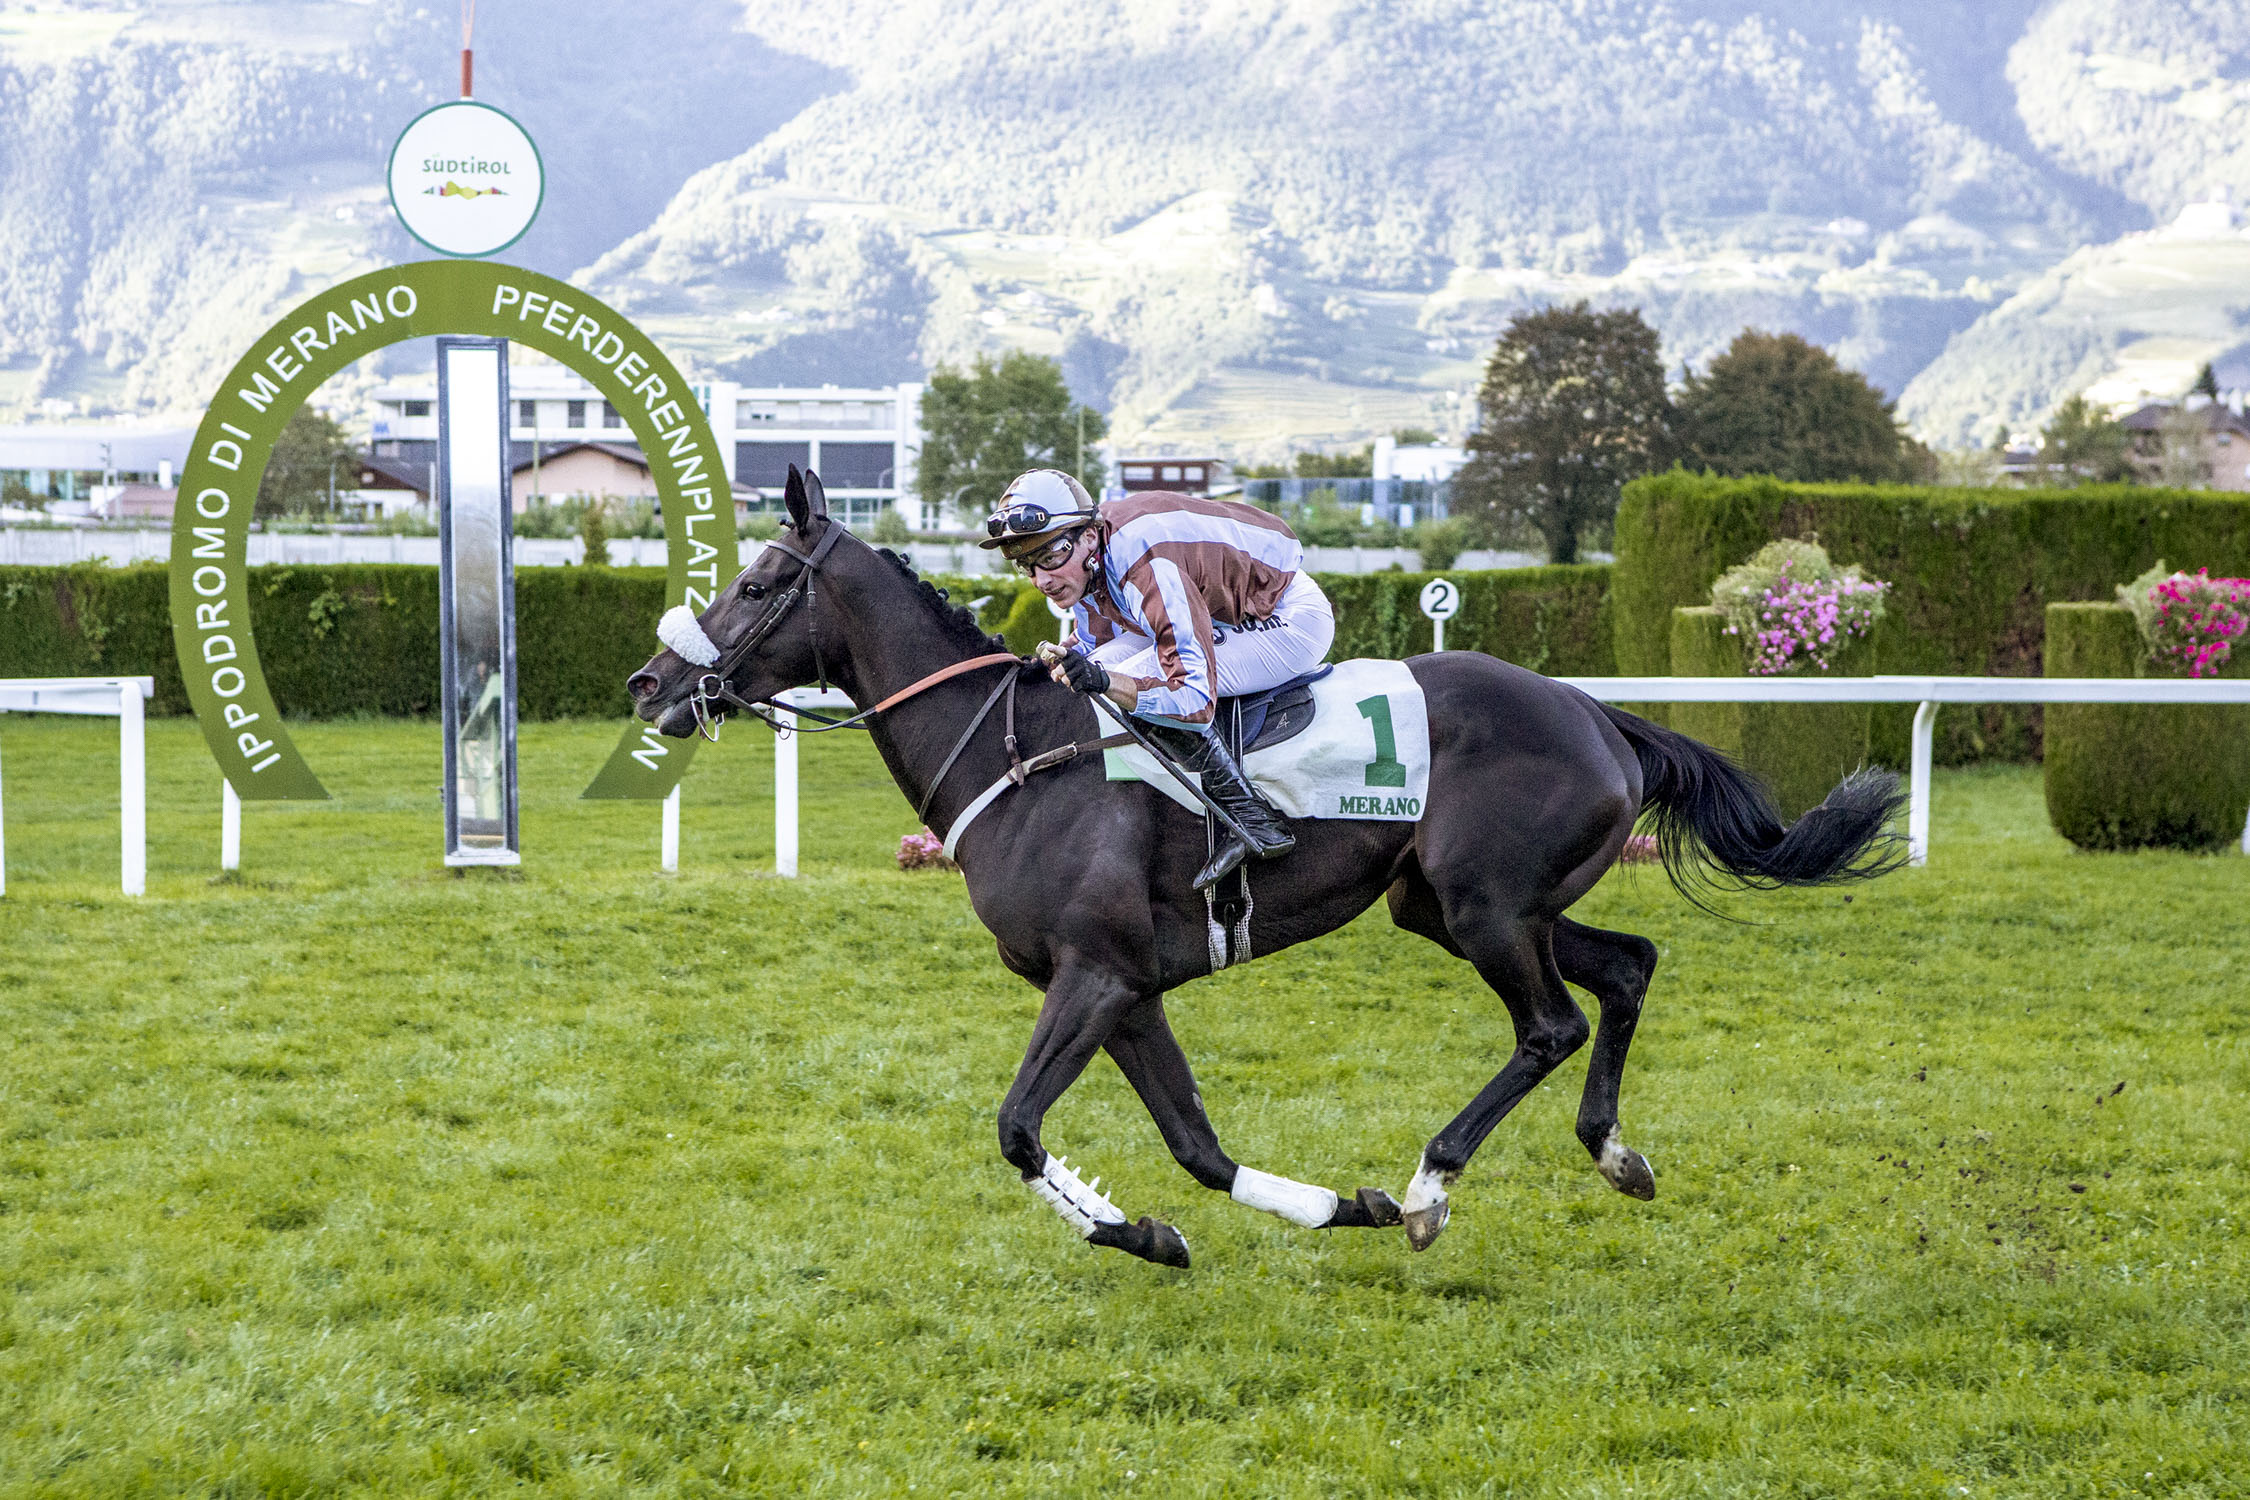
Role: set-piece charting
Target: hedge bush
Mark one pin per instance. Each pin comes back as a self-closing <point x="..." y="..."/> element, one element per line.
<point x="1553" y="620"/>
<point x="363" y="637"/>
<point x="2134" y="775"/>
<point x="1972" y="571"/>
<point x="345" y="639"/>
<point x="1800" y="750"/>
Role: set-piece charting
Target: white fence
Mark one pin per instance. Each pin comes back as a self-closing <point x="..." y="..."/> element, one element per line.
<point x="1925" y="692"/>
<point x="117" y="548"/>
<point x="124" y="697"/>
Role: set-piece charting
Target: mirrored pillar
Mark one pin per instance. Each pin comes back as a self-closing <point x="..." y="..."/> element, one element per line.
<point x="476" y="603"/>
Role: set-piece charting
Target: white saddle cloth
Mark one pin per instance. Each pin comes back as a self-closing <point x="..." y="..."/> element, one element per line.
<point x="1366" y="754"/>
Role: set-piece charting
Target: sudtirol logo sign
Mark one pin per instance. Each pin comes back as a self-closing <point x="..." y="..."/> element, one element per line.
<point x="212" y="597"/>
<point x="465" y="179"/>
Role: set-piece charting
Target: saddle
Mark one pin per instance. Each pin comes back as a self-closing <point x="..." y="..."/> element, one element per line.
<point x="1273" y="716"/>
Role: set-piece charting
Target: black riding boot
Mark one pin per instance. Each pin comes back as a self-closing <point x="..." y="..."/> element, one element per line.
<point x="1224" y="781"/>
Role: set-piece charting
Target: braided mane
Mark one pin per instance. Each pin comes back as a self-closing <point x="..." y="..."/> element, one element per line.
<point x="960" y="625"/>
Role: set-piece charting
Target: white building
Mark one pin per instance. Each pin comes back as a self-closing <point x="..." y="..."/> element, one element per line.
<point x="1425" y="463"/>
<point x="862" y="440"/>
<point x="80" y="468"/>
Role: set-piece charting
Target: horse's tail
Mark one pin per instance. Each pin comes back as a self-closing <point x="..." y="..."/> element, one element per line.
<point x="1709" y="813"/>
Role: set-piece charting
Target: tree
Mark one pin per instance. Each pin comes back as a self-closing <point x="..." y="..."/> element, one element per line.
<point x="890" y="528"/>
<point x="593" y="530"/>
<point x="312" y="448"/>
<point x="2082" y="444"/>
<point x="1315" y="463"/>
<point x="985" y="425"/>
<point x="1573" y="405"/>
<point x="2182" y="462"/>
<point x="1774" y="404"/>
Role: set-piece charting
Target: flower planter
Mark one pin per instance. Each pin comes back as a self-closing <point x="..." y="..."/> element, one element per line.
<point x="2139" y="775"/>
<point x="1800" y="750"/>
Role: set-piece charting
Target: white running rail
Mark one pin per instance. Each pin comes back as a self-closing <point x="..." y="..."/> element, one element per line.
<point x="1924" y="692"/>
<point x="124" y="697"/>
<point x="785" y="773"/>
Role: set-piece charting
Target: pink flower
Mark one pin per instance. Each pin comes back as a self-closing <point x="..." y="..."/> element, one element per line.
<point x="2198" y="636"/>
<point x="923" y="851"/>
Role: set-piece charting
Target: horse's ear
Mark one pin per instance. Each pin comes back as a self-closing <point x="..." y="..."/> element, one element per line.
<point x="800" y="508"/>
<point x="815" y="495"/>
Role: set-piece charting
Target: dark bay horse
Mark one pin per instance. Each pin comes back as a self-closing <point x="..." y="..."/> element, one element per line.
<point x="1085" y="883"/>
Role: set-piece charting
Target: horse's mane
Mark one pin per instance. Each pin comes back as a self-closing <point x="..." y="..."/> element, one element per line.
<point x="959" y="625"/>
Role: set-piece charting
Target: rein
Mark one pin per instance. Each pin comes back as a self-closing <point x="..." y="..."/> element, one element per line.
<point x="712" y="689"/>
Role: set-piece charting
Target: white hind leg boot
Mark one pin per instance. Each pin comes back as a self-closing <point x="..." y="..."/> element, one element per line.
<point x="1298" y="1202"/>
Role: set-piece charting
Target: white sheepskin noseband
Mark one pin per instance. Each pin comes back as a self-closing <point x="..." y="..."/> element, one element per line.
<point x="680" y="630"/>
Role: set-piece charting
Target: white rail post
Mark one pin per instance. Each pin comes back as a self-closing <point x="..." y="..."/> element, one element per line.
<point x="1918" y="787"/>
<point x="230" y="826"/>
<point x="785" y="793"/>
<point x="132" y="776"/>
<point x="670" y="857"/>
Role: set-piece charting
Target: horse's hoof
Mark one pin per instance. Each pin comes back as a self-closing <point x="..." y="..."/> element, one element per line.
<point x="1423" y="1225"/>
<point x="1150" y="1239"/>
<point x="1380" y="1207"/>
<point x="1168" y="1247"/>
<point x="1369" y="1208"/>
<point x="1627" y="1170"/>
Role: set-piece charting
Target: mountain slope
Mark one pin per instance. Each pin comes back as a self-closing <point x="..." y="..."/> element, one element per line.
<point x="173" y="174"/>
<point x="1375" y="188"/>
<point x="1253" y="223"/>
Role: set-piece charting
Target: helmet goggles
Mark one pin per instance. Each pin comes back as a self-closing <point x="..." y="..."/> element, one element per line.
<point x="1037" y="504"/>
<point x="1025" y="519"/>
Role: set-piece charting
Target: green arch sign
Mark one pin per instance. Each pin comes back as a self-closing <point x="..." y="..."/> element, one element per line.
<point x="219" y="486"/>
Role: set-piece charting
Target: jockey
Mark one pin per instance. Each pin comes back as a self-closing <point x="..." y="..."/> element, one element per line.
<point x="1176" y="602"/>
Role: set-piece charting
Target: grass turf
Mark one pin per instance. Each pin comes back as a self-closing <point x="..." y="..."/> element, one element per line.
<point x="353" y="1176"/>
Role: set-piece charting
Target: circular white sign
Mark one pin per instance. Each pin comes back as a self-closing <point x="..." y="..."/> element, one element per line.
<point x="465" y="179"/>
<point x="1441" y="599"/>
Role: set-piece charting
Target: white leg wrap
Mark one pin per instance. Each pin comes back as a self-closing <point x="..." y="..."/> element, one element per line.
<point x="1080" y="1205"/>
<point x="1427" y="1190"/>
<point x="1298" y="1202"/>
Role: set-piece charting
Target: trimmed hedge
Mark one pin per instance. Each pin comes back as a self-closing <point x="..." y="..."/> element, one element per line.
<point x="1800" y="750"/>
<point x="1553" y="620"/>
<point x="363" y="637"/>
<point x="1972" y="571"/>
<point x="351" y="638"/>
<point x="2134" y="775"/>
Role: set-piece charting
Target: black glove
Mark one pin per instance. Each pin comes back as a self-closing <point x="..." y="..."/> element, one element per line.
<point x="1079" y="670"/>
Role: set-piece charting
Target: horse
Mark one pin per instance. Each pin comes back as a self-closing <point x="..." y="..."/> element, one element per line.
<point x="1084" y="883"/>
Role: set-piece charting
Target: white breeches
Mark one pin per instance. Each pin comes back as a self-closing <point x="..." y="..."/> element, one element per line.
<point x="1286" y="644"/>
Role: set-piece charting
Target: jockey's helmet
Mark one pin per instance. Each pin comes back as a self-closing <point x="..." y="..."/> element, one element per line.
<point x="1038" y="504"/>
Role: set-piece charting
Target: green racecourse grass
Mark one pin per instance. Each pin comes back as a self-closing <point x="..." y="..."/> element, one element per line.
<point x="352" y="1176"/>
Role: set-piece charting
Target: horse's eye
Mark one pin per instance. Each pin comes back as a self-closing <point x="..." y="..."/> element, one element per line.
<point x="753" y="591"/>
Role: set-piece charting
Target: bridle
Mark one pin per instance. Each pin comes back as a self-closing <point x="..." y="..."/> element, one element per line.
<point x="713" y="688"/>
<point x="713" y="694"/>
